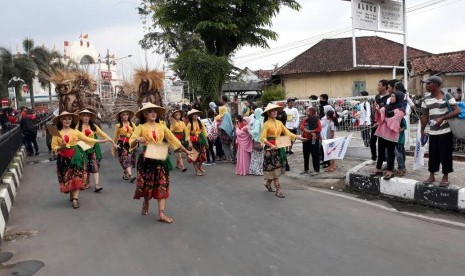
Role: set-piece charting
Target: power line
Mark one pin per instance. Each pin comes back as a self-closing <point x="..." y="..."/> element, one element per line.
<point x="313" y="40"/>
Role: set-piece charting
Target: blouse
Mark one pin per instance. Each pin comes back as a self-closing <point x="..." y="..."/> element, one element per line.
<point x="196" y="130"/>
<point x="71" y="137"/>
<point x="273" y="128"/>
<point x="123" y="132"/>
<point x="155" y="133"/>
<point x="90" y="133"/>
<point x="178" y="126"/>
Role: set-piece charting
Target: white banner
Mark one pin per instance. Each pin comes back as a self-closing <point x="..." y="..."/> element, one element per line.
<point x="336" y="148"/>
<point x="390" y="16"/>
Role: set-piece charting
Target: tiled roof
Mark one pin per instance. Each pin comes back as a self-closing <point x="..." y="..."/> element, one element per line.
<point x="335" y="55"/>
<point x="445" y="63"/>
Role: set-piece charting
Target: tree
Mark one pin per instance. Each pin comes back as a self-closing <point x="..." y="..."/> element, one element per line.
<point x="211" y="28"/>
<point x="273" y="93"/>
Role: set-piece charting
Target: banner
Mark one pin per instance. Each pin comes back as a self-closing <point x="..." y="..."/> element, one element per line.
<point x="378" y="15"/>
<point x="335" y="148"/>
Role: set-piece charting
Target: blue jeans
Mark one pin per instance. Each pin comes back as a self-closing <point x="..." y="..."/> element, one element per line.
<point x="400" y="156"/>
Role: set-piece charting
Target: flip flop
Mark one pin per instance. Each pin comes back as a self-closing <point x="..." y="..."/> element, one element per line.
<point x="444" y="184"/>
<point x="184" y="170"/>
<point x="373" y="174"/>
<point x="427" y="182"/>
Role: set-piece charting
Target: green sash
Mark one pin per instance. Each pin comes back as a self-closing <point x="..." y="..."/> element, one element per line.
<point x="79" y="157"/>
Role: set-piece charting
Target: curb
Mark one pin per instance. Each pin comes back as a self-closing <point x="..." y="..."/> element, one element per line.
<point x="8" y="187"/>
<point x="409" y="190"/>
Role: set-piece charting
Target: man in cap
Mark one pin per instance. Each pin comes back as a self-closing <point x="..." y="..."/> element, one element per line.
<point x="435" y="110"/>
<point x="292" y="120"/>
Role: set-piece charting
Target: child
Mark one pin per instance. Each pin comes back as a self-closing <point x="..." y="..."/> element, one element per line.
<point x="400" y="150"/>
<point x="329" y="130"/>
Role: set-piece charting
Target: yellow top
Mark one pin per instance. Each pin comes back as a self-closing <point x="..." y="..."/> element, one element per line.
<point x="89" y="133"/>
<point x="124" y="131"/>
<point x="274" y="128"/>
<point x="196" y="130"/>
<point x="73" y="137"/>
<point x="178" y="126"/>
<point x="161" y="132"/>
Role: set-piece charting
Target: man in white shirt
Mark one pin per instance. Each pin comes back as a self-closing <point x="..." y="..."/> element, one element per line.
<point x="365" y="119"/>
<point x="293" y="119"/>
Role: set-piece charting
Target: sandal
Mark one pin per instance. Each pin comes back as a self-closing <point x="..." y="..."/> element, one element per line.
<point x="184" y="170"/>
<point x="98" y="188"/>
<point x="388" y="176"/>
<point x="376" y="173"/>
<point x="132" y="179"/>
<point x="75" y="203"/>
<point x="145" y="208"/>
<point x="279" y="194"/>
<point x="330" y="170"/>
<point x="444" y="184"/>
<point x="427" y="181"/>
<point x="163" y="218"/>
<point x="269" y="188"/>
<point x="125" y="177"/>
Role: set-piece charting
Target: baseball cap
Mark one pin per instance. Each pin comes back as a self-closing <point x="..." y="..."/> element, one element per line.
<point x="435" y="79"/>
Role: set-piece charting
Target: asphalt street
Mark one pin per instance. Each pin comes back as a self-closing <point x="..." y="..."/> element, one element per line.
<point x="224" y="225"/>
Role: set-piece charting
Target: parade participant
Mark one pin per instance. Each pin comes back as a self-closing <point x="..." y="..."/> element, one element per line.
<point x="87" y="127"/>
<point x="273" y="165"/>
<point x="71" y="158"/>
<point x="244" y="145"/>
<point x="256" y="159"/>
<point x="153" y="179"/>
<point x="196" y="135"/>
<point x="123" y="131"/>
<point x="178" y="127"/>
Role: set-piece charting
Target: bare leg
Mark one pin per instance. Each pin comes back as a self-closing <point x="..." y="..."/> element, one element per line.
<point x="277" y="185"/>
<point x="75" y="199"/>
<point x="161" y="212"/>
<point x="145" y="207"/>
<point x="430" y="179"/>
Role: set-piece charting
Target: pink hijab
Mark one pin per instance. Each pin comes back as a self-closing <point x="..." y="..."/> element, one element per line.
<point x="244" y="139"/>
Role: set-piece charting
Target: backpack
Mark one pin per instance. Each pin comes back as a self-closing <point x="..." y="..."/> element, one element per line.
<point x="212" y="131"/>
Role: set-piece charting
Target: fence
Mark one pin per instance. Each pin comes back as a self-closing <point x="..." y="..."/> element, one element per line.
<point x="10" y="142"/>
<point x="348" y="110"/>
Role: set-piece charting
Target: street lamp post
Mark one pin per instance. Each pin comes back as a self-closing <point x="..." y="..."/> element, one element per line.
<point x="15" y="79"/>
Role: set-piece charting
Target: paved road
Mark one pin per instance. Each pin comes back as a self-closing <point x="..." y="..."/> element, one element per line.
<point x="224" y="225"/>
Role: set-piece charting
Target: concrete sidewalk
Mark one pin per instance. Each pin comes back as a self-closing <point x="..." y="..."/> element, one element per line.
<point x="353" y="175"/>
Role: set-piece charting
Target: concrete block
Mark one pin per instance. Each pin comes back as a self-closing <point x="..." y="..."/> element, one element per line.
<point x="2" y="227"/>
<point x="12" y="176"/>
<point x="14" y="171"/>
<point x="461" y="199"/>
<point x="17" y="160"/>
<point x="18" y="169"/>
<point x="398" y="187"/>
<point x="356" y="169"/>
<point x="9" y="181"/>
<point x="441" y="197"/>
<point x="5" y="195"/>
<point x="363" y="183"/>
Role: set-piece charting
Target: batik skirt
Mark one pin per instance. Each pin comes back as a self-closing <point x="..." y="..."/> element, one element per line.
<point x="273" y="165"/>
<point x="126" y="159"/>
<point x="70" y="178"/>
<point x="201" y="149"/>
<point x="256" y="162"/>
<point x="153" y="180"/>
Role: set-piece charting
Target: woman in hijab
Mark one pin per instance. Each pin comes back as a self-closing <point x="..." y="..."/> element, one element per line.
<point x="256" y="159"/>
<point x="244" y="145"/>
<point x="226" y="134"/>
<point x="388" y="119"/>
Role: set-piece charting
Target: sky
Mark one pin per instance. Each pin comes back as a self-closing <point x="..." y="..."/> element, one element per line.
<point x="115" y="25"/>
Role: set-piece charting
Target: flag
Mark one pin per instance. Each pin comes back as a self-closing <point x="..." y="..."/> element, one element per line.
<point x="66" y="43"/>
<point x="85" y="36"/>
<point x="336" y="148"/>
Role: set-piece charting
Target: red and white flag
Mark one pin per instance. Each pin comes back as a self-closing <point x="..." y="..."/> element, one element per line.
<point x="335" y="148"/>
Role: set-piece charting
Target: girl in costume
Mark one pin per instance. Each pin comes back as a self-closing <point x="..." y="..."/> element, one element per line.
<point x="87" y="127"/>
<point x="153" y="179"/>
<point x="71" y="159"/>
<point x="256" y="159"/>
<point x="273" y="161"/>
<point x="196" y="135"/>
<point x="244" y="145"/>
<point x="178" y="128"/>
<point x="123" y="131"/>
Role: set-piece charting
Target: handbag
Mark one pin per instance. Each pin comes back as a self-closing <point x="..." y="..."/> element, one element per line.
<point x="457" y="124"/>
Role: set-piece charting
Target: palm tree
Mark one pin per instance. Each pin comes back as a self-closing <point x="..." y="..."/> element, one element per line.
<point x="14" y="66"/>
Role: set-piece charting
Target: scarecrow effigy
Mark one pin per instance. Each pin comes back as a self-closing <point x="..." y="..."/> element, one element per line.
<point x="149" y="85"/>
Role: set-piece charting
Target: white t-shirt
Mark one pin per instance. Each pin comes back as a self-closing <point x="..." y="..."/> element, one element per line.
<point x="293" y="118"/>
<point x="326" y="127"/>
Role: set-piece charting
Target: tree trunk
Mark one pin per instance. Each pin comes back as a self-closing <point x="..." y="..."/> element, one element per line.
<point x="50" y="94"/>
<point x="31" y="91"/>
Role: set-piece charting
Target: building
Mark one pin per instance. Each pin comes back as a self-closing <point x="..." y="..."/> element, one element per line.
<point x="327" y="67"/>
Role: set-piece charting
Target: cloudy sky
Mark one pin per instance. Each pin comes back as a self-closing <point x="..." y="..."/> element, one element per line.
<point x="115" y="25"/>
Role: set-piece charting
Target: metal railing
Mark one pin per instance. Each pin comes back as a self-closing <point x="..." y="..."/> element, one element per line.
<point x="348" y="110"/>
<point x="10" y="142"/>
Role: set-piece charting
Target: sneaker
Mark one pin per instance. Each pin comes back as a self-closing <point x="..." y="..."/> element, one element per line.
<point x="303" y="172"/>
<point x="207" y="163"/>
<point x="314" y="173"/>
<point x="214" y="163"/>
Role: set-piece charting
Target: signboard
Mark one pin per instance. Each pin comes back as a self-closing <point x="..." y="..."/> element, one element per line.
<point x="11" y="93"/>
<point x="378" y="15"/>
<point x="106" y="75"/>
<point x="175" y="94"/>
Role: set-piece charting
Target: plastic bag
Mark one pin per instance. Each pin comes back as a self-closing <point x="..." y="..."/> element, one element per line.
<point x="419" y="154"/>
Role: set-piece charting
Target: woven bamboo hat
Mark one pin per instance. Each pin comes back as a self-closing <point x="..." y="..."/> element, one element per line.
<point x="74" y="117"/>
<point x="176" y="111"/>
<point x="92" y="115"/>
<point x="193" y="111"/>
<point x="271" y="107"/>
<point x="160" y="110"/>
<point x="130" y="112"/>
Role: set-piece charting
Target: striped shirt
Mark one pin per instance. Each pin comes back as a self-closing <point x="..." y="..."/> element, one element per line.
<point x="437" y="109"/>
